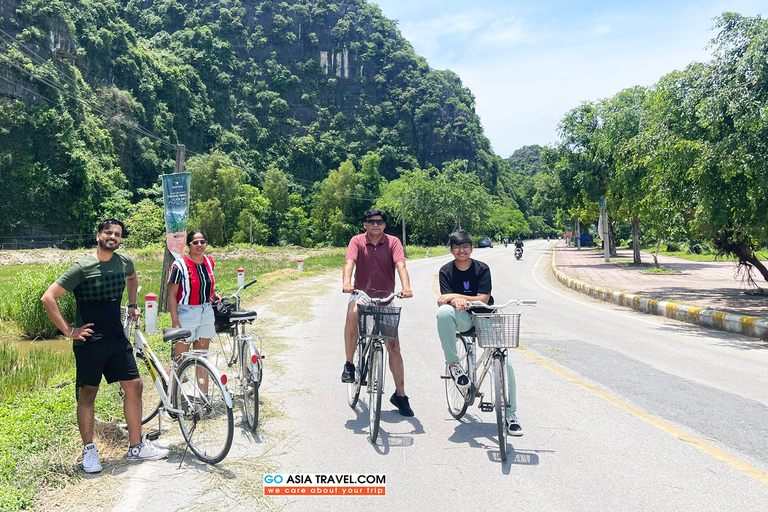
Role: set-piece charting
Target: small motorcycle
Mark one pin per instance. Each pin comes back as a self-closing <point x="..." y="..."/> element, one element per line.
<point x="518" y="252"/>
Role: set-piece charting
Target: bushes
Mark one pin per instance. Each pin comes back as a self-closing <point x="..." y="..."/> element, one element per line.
<point x="23" y="305"/>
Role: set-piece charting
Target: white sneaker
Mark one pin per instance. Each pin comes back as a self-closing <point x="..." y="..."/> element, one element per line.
<point x="91" y="462"/>
<point x="513" y="427"/>
<point x="459" y="377"/>
<point x="145" y="450"/>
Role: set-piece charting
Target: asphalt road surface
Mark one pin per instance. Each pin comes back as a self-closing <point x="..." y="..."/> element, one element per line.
<point x="620" y="410"/>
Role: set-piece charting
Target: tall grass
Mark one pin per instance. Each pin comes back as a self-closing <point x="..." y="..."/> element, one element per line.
<point x="21" y="302"/>
<point x="21" y="372"/>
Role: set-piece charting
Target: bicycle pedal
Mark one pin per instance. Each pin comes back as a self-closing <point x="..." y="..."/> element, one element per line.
<point x="153" y="434"/>
<point x="486" y="406"/>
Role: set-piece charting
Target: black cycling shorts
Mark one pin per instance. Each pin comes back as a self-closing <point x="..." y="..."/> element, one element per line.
<point x="111" y="357"/>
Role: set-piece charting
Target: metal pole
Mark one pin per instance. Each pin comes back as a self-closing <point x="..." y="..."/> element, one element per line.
<point x="606" y="235"/>
<point x="578" y="234"/>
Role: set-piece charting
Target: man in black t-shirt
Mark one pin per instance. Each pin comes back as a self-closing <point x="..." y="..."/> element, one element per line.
<point x="463" y="280"/>
<point x="98" y="341"/>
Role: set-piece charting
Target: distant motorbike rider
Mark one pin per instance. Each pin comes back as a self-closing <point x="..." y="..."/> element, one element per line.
<point x="519" y="243"/>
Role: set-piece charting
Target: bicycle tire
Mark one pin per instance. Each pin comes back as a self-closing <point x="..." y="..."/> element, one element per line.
<point x="457" y="401"/>
<point x="375" y="390"/>
<point x="207" y="422"/>
<point x="110" y="399"/>
<point x="250" y="383"/>
<point x="226" y="341"/>
<point x="499" y="368"/>
<point x="353" y="388"/>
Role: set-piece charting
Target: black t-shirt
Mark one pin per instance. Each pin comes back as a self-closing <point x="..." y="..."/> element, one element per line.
<point x="471" y="282"/>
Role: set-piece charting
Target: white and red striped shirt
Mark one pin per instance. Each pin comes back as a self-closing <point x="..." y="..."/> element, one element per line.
<point x="195" y="280"/>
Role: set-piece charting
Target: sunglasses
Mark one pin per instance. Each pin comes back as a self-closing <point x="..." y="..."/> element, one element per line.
<point x="198" y="242"/>
<point x="376" y="222"/>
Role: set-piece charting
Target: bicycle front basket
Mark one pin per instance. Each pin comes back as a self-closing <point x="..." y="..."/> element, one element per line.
<point x="378" y="321"/>
<point x="496" y="330"/>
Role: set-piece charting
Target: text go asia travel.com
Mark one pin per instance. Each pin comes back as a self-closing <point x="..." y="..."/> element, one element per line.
<point x="325" y="484"/>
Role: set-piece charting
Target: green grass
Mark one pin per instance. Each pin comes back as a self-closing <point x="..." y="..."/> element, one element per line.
<point x="660" y="270"/>
<point x="22" y="372"/>
<point x="38" y="437"/>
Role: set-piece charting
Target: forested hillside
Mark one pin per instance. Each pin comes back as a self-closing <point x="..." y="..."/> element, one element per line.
<point x="94" y="94"/>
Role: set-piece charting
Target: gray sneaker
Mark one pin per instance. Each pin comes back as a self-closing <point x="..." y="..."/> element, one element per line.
<point x="145" y="450"/>
<point x="91" y="462"/>
<point x="513" y="427"/>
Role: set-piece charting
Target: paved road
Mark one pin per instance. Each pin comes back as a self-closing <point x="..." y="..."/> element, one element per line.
<point x="621" y="411"/>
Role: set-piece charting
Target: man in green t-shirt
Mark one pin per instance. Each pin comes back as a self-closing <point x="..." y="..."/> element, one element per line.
<point x="98" y="340"/>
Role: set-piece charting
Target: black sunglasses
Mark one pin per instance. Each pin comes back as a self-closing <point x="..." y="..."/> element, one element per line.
<point x="198" y="242"/>
<point x="376" y="222"/>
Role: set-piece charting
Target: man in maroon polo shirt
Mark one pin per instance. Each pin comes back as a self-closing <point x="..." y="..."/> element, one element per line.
<point x="374" y="256"/>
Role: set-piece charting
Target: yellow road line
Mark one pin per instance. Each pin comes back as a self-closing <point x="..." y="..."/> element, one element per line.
<point x="720" y="455"/>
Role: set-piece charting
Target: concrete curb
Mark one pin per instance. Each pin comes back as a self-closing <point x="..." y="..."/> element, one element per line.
<point x="720" y="320"/>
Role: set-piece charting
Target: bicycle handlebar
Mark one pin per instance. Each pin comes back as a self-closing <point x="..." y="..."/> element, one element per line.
<point x="237" y="293"/>
<point x="514" y="302"/>
<point x="391" y="296"/>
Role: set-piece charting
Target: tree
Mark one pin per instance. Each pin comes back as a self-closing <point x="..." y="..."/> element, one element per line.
<point x="214" y="177"/>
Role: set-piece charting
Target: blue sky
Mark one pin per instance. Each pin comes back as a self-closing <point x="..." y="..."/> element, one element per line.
<point x="528" y="63"/>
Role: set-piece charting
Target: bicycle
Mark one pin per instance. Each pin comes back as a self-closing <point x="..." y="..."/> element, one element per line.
<point x="495" y="333"/>
<point x="239" y="345"/>
<point x="375" y="324"/>
<point x="194" y="394"/>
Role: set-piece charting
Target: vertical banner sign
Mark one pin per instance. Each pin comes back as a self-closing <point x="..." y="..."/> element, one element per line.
<point x="176" y="201"/>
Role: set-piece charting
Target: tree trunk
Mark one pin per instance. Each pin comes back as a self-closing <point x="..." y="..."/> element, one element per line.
<point x="612" y="237"/>
<point x="748" y="260"/>
<point x="656" y="254"/>
<point x="636" y="240"/>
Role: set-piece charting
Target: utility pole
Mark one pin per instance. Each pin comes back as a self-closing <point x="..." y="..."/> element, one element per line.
<point x="604" y="221"/>
<point x="402" y="219"/>
<point x="578" y="234"/>
<point x="181" y="152"/>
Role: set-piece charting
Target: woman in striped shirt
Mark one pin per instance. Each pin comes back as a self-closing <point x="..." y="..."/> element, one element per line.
<point x="190" y="293"/>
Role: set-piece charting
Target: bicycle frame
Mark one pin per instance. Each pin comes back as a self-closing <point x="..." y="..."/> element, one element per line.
<point x="142" y="349"/>
<point x="485" y="361"/>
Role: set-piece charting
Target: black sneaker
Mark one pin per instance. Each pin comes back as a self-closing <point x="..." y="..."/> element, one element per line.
<point x="348" y="375"/>
<point x="401" y="402"/>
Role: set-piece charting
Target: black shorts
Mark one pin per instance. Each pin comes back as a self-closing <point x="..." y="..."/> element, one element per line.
<point x="111" y="357"/>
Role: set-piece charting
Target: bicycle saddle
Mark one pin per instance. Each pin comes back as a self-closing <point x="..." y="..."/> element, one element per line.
<point x="241" y="316"/>
<point x="174" y="333"/>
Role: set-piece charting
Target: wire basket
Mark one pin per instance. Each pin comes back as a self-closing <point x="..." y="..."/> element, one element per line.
<point x="378" y="321"/>
<point x="497" y="330"/>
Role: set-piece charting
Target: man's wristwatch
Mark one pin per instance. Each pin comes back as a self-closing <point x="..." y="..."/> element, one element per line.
<point x="134" y="306"/>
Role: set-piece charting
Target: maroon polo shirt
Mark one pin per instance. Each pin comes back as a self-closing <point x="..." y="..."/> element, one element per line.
<point x="375" y="264"/>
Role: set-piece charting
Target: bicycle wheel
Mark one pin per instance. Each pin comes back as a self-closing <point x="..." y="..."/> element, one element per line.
<point x="207" y="422"/>
<point x="226" y="341"/>
<point x="457" y="401"/>
<point x="375" y="390"/>
<point x="249" y="373"/>
<point x="353" y="388"/>
<point x="109" y="401"/>
<point x="500" y="402"/>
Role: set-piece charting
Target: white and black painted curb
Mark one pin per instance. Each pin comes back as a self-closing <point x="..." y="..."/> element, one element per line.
<point x="705" y="317"/>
